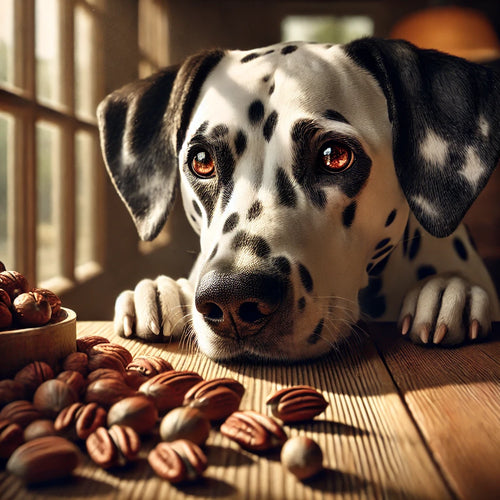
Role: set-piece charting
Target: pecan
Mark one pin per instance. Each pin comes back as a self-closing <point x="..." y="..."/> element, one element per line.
<point x="302" y="456"/>
<point x="253" y="431"/>
<point x="77" y="361"/>
<point x="31" y="309"/>
<point x="75" y="380"/>
<point x="5" y="298"/>
<point x="109" y="355"/>
<point x="32" y="375"/>
<point x="84" y="344"/>
<point x="11" y="437"/>
<point x="105" y="373"/>
<point x="112" y="447"/>
<point x="21" y="412"/>
<point x="53" y="300"/>
<point x="10" y="390"/>
<point x="52" y="396"/>
<point x="79" y="420"/>
<point x="44" y="459"/>
<point x="168" y="389"/>
<point x="180" y="460"/>
<point x="185" y="422"/>
<point x="5" y="315"/>
<point x="298" y="403"/>
<point x="107" y="391"/>
<point x="138" y="412"/>
<point x="144" y="367"/>
<point x="216" y="398"/>
<point x="65" y="422"/>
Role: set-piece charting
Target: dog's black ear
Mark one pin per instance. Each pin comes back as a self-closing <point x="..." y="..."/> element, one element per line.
<point x="142" y="127"/>
<point x="445" y="115"/>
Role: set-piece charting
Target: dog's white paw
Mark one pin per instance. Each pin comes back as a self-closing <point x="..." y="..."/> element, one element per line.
<point x="156" y="310"/>
<point x="445" y="309"/>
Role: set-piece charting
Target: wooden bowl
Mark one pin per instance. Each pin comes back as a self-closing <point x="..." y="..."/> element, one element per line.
<point x="49" y="343"/>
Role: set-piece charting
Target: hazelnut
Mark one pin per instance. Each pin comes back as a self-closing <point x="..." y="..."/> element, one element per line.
<point x="78" y="362"/>
<point x="5" y="316"/>
<point x="53" y="300"/>
<point x="52" y="396"/>
<point x="31" y="309"/>
<point x="138" y="412"/>
<point x="44" y="459"/>
<point x="185" y="423"/>
<point x="13" y="283"/>
<point x="39" y="428"/>
<point x="107" y="391"/>
<point x="32" y="375"/>
<point x="10" y="390"/>
<point x="11" y="437"/>
<point x="302" y="456"/>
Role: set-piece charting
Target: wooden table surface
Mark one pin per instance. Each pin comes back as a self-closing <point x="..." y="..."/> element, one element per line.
<point x="403" y="422"/>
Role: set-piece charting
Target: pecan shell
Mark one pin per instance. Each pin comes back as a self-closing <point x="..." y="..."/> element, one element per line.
<point x="11" y="437"/>
<point x="21" y="412"/>
<point x="32" y="375"/>
<point x="85" y="343"/>
<point x="297" y="403"/>
<point x="216" y="398"/>
<point x="253" y="431"/>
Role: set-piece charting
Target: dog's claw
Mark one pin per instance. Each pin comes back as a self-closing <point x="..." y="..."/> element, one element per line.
<point x="425" y="334"/>
<point x="405" y="325"/>
<point x="440" y="333"/>
<point x="154" y="327"/>
<point x="474" y="329"/>
<point x="128" y="326"/>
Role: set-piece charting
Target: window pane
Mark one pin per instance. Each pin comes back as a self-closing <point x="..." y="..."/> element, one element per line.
<point x="326" y="29"/>
<point x="85" y="152"/>
<point x="85" y="100"/>
<point x="48" y="231"/>
<point x="47" y="43"/>
<point x="6" y="132"/>
<point x="7" y="41"/>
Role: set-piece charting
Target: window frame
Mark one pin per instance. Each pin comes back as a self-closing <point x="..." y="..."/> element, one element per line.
<point x="22" y="103"/>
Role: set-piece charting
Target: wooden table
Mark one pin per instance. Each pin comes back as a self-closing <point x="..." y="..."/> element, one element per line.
<point x="403" y="422"/>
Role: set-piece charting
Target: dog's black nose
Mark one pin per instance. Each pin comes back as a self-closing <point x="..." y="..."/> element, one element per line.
<point x="238" y="305"/>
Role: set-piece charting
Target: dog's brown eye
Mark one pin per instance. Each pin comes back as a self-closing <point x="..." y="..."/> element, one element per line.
<point x="203" y="164"/>
<point x="335" y="158"/>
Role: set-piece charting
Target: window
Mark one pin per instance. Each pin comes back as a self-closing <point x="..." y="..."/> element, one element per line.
<point x="50" y="162"/>
<point x="326" y="29"/>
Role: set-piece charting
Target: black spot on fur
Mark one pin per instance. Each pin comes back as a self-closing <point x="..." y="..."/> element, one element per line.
<point x="425" y="271"/>
<point x="288" y="49"/>
<point x="240" y="143"/>
<point x="348" y="214"/>
<point x="383" y="252"/>
<point x="219" y="131"/>
<point x="227" y="191"/>
<point x="256" y="244"/>
<point x="283" y="265"/>
<point x="214" y="252"/>
<point x="270" y="51"/>
<point x="250" y="57"/>
<point x="414" y="244"/>
<point x="284" y="187"/>
<point x="301" y="303"/>
<point x="406" y="236"/>
<point x="266" y="78"/>
<point x="231" y="223"/>
<point x="370" y="301"/>
<point x="202" y="128"/>
<point x="255" y="210"/>
<point x="316" y="334"/>
<point x="272" y="89"/>
<point x="460" y="249"/>
<point x="305" y="278"/>
<point x="330" y="114"/>
<point x="382" y="243"/>
<point x="390" y="218"/>
<point x="197" y="208"/>
<point x="256" y="112"/>
<point x="270" y="125"/>
<point x="376" y="269"/>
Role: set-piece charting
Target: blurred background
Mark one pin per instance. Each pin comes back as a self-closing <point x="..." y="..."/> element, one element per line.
<point x="61" y="222"/>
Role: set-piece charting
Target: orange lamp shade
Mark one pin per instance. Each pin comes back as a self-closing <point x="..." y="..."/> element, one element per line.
<point x="463" y="32"/>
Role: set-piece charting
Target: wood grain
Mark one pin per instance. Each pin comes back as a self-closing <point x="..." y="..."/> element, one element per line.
<point x="370" y="434"/>
<point x="454" y="397"/>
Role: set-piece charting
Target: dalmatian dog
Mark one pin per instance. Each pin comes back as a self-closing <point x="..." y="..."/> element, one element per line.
<point x="326" y="182"/>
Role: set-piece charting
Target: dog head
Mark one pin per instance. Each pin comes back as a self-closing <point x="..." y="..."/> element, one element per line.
<point x="298" y="166"/>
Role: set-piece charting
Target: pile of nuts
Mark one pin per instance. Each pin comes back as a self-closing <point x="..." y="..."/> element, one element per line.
<point x="22" y="306"/>
<point x="102" y="402"/>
